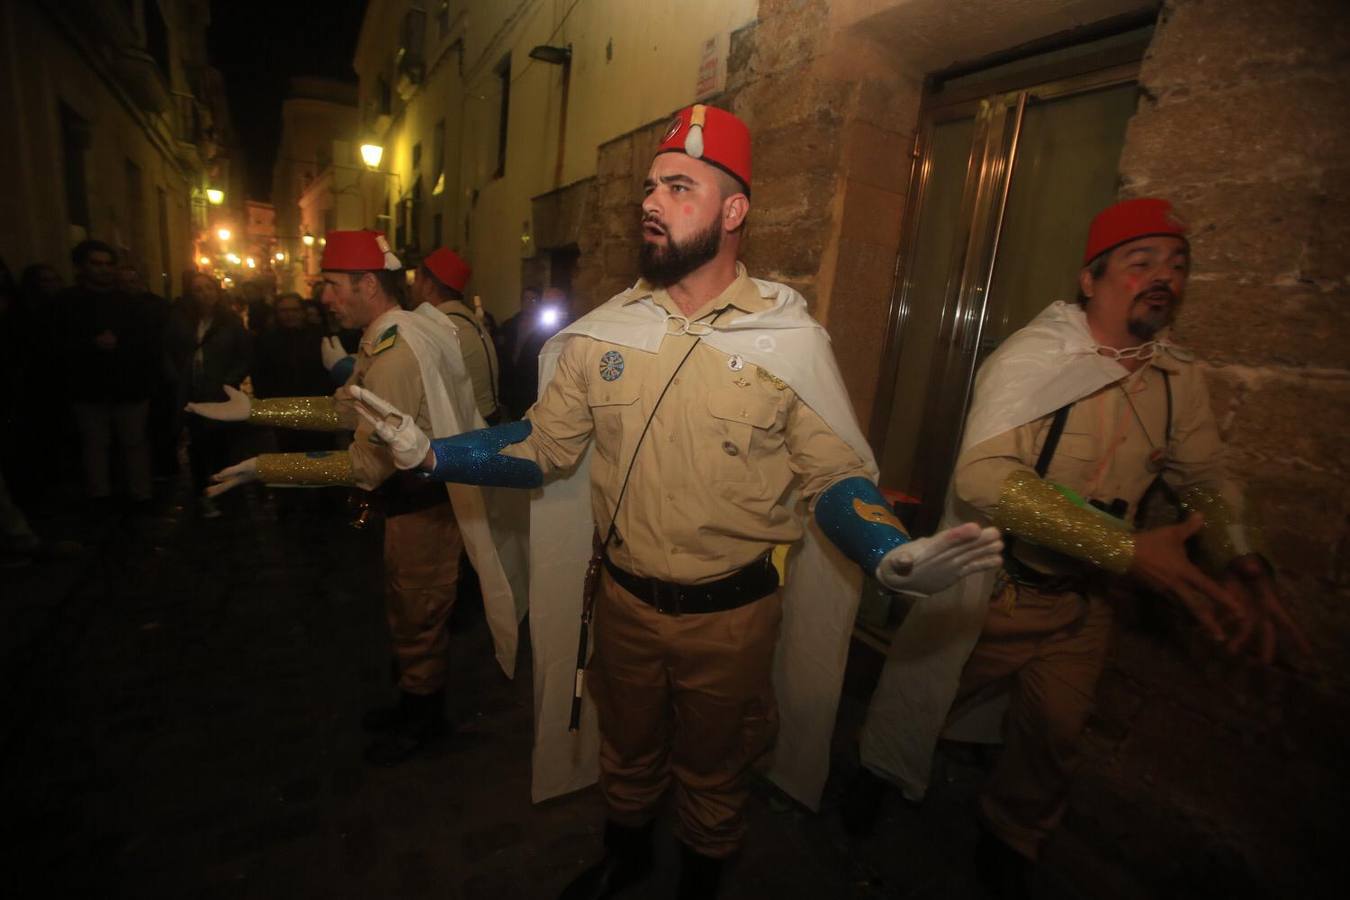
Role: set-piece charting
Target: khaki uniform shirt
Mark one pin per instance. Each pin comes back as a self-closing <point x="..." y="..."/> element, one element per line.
<point x="1112" y="445"/>
<point x="480" y="356"/>
<point x="712" y="487"/>
<point x="392" y="372"/>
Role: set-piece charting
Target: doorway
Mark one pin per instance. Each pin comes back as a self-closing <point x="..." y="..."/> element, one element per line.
<point x="1012" y="163"/>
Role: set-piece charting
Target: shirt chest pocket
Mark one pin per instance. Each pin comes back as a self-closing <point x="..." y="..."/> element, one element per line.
<point x="613" y="407"/>
<point x="745" y="426"/>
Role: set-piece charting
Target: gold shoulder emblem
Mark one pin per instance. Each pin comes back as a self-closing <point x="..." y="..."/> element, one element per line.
<point x="766" y="375"/>
<point x="385" y="341"/>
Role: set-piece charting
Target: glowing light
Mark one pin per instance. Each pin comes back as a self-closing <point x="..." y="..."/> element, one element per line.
<point x="233" y="257"/>
<point x="549" y="316"/>
<point x="371" y="154"/>
<point x="251" y="263"/>
<point x="223" y="233"/>
<point x="307" y="239"/>
<point x="215" y="196"/>
<point x="204" y="260"/>
<point x="279" y="256"/>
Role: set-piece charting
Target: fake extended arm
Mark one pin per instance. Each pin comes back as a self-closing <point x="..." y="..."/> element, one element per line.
<point x="1225" y="537"/>
<point x="303" y="413"/>
<point x="475" y="458"/>
<point x="856" y="517"/>
<point x="471" y="458"/>
<point x="331" y="467"/>
<point x="1054" y="517"/>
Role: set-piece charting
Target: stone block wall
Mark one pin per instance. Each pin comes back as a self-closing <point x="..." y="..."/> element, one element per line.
<point x="1202" y="771"/>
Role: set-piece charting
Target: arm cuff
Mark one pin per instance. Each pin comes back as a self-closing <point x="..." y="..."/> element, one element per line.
<point x="342" y="370"/>
<point x="1054" y="517"/>
<point x="1224" y="537"/>
<point x="475" y="458"/>
<point x="856" y="517"/>
<point x="305" y="468"/>
<point x="304" y="413"/>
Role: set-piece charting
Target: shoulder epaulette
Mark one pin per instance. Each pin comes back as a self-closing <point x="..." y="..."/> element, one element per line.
<point x="385" y="341"/>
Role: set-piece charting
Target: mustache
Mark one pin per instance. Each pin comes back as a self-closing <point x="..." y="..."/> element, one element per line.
<point x="1157" y="292"/>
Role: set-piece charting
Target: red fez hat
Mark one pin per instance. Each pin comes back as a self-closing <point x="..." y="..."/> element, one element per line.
<point x="1129" y="221"/>
<point x="357" y="251"/>
<point x="712" y="135"/>
<point x="448" y="268"/>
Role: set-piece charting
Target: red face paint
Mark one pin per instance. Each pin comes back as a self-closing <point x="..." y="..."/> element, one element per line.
<point x="687" y="209"/>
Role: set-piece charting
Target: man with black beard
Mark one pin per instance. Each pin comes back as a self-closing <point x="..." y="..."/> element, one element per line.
<point x="725" y="459"/>
<point x="1074" y="419"/>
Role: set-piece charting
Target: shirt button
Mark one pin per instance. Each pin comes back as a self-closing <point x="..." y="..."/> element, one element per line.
<point x="675" y="381"/>
<point x="670" y="497"/>
<point x="730" y="448"/>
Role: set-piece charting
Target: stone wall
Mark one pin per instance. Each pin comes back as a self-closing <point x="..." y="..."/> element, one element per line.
<point x="1242" y="126"/>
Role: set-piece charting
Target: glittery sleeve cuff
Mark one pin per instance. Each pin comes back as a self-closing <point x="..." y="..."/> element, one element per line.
<point x="854" y="514"/>
<point x="1043" y="513"/>
<point x="304" y="413"/>
<point x="475" y="457"/>
<point x="306" y="468"/>
<point x="1224" y="537"/>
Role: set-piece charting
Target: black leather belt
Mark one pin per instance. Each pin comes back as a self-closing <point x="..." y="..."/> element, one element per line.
<point x="742" y="587"/>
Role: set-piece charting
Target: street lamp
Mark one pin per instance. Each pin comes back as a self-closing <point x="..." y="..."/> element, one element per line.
<point x="307" y="239"/>
<point x="215" y="196"/>
<point x="233" y="258"/>
<point x="279" y="256"/>
<point x="251" y="263"/>
<point x="223" y="233"/>
<point x="204" y="260"/>
<point x="371" y="154"/>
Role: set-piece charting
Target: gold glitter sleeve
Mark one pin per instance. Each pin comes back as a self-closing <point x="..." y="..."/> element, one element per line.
<point x="305" y="468"/>
<point x="1035" y="510"/>
<point x="1225" y="537"/>
<point x="304" y="413"/>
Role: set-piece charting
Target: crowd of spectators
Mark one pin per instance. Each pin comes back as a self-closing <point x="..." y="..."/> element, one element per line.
<point x="94" y="377"/>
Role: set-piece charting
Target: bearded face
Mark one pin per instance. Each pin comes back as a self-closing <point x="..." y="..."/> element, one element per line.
<point x="663" y="260"/>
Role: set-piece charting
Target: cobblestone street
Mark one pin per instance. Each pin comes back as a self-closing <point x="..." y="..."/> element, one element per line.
<point x="182" y="720"/>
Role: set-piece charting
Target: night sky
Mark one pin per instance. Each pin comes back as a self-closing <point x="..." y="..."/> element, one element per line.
<point x="259" y="45"/>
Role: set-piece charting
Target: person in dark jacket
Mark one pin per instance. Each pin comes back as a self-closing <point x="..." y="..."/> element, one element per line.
<point x="109" y="357"/>
<point x="287" y="363"/>
<point x="210" y="348"/>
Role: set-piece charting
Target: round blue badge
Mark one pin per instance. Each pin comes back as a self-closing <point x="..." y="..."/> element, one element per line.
<point x="611" y="365"/>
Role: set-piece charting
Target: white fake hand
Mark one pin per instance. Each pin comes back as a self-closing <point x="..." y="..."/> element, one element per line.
<point x="407" y="443"/>
<point x="332" y="352"/>
<point x="235" y="409"/>
<point x="233" y="477"/>
<point x="930" y="564"/>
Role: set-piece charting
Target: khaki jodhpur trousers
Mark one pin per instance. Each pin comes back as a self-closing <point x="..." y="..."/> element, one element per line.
<point x="1048" y="649"/>
<point x="421" y="568"/>
<point x="688" y="699"/>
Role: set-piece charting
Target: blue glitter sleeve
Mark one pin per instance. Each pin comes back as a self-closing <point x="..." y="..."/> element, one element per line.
<point x="475" y="458"/>
<point x="858" y="519"/>
<point x="342" y="370"/>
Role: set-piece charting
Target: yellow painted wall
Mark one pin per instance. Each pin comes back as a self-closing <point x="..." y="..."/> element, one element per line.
<point x="632" y="62"/>
<point x="41" y="70"/>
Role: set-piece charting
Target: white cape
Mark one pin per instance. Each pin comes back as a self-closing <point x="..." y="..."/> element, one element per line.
<point x="1051" y="362"/>
<point x="819" y="600"/>
<point x="493" y="523"/>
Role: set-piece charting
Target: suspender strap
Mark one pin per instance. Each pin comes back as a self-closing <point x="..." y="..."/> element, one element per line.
<point x="1052" y="439"/>
<point x="492" y="374"/>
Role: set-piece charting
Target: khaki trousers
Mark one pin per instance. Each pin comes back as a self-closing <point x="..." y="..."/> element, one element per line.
<point x="421" y="567"/>
<point x="1048" y="649"/>
<point x="687" y="698"/>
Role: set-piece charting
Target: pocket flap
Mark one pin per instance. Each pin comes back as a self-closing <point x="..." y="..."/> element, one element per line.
<point x="741" y="405"/>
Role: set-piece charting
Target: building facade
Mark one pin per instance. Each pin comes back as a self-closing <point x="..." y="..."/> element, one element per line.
<point x="120" y="129"/>
<point x="924" y="174"/>
<point x="318" y="121"/>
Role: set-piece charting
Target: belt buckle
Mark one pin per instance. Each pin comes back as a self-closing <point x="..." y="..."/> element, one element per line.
<point x="666" y="597"/>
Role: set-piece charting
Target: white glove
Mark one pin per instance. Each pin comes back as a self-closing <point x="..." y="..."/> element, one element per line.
<point x="930" y="564"/>
<point x="407" y="444"/>
<point x="235" y="409"/>
<point x="235" y="475"/>
<point x="332" y="352"/>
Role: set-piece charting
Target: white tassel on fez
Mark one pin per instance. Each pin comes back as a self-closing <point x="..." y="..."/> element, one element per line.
<point x="693" y="141"/>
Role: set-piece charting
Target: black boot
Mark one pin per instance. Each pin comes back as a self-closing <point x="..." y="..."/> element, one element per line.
<point x="423" y="724"/>
<point x="382" y="719"/>
<point x="699" y="875"/>
<point x="628" y="860"/>
<point x="1004" y="873"/>
<point x="862" y="803"/>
